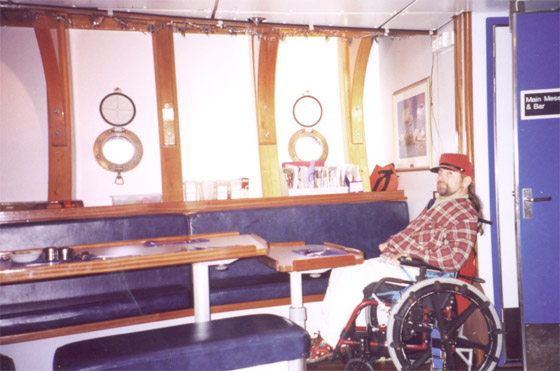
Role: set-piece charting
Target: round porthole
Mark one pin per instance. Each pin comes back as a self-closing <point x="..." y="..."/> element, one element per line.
<point x="117" y="109"/>
<point x="307" y="111"/>
<point x="118" y="150"/>
<point x="308" y="145"/>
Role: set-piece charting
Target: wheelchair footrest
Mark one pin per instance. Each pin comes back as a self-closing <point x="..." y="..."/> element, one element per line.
<point x="437" y="356"/>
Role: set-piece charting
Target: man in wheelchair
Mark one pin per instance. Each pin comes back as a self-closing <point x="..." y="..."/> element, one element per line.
<point x="442" y="236"/>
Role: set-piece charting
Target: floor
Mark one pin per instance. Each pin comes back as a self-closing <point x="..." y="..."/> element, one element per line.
<point x="384" y="365"/>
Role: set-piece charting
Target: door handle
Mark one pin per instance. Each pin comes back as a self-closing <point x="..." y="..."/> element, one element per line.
<point x="528" y="200"/>
<point x="538" y="199"/>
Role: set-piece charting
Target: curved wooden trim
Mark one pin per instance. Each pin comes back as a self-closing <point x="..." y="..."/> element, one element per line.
<point x="54" y="56"/>
<point x="26" y="216"/>
<point x="469" y="125"/>
<point x="166" y="92"/>
<point x="266" y="85"/>
<point x="266" y="114"/>
<point x="53" y="78"/>
<point x="162" y="316"/>
<point x="358" y="82"/>
<point x="354" y="65"/>
<point x="458" y="58"/>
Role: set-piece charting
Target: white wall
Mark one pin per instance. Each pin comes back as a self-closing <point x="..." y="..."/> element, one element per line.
<point x="402" y="62"/>
<point x="97" y="70"/>
<point x="309" y="66"/>
<point x="23" y="112"/>
<point x="216" y="105"/>
<point x="217" y="109"/>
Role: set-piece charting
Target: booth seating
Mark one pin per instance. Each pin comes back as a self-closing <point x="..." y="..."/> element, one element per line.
<point x="41" y="306"/>
<point x="50" y="304"/>
<point x="223" y="344"/>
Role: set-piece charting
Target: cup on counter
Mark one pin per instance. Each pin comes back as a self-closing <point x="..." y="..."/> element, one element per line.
<point x="5" y="261"/>
<point x="208" y="190"/>
<point x="51" y="254"/>
<point x="66" y="254"/>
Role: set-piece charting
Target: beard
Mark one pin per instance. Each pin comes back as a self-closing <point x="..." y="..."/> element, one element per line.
<point x="443" y="189"/>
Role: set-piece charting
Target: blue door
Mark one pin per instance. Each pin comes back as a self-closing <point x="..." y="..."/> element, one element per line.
<point x="537" y="78"/>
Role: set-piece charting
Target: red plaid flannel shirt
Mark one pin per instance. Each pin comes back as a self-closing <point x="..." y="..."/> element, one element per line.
<point x="443" y="236"/>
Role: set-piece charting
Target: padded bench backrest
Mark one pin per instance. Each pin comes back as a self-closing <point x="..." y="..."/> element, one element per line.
<point x="361" y="226"/>
<point x="75" y="232"/>
<point x="85" y="231"/>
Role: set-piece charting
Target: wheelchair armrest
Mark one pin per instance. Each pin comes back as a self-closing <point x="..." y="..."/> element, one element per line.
<point x="415" y="262"/>
<point x="374" y="286"/>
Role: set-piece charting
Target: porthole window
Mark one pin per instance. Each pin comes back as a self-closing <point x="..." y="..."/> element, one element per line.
<point x="117" y="149"/>
<point x="308" y="144"/>
<point x="307" y="111"/>
<point x="117" y="109"/>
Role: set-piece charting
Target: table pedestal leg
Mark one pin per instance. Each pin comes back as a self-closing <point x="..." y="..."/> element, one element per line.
<point x="201" y="288"/>
<point x="297" y="310"/>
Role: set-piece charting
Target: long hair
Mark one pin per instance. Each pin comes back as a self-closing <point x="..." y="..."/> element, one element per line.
<point x="477" y="204"/>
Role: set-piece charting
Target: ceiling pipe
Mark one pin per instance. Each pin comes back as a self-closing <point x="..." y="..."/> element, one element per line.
<point x="398" y="13"/>
<point x="215" y="9"/>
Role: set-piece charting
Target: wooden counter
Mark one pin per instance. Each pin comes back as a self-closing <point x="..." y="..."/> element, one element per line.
<point x="25" y="216"/>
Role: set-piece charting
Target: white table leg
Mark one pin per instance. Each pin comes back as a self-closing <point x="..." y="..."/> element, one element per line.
<point x="297" y="310"/>
<point x="201" y="287"/>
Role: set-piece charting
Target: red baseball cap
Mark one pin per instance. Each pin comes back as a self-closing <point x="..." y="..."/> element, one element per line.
<point x="455" y="162"/>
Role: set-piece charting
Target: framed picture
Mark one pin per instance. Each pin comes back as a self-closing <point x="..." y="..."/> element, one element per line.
<point x="412" y="134"/>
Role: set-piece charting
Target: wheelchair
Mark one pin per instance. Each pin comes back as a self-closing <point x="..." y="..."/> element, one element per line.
<point x="436" y="322"/>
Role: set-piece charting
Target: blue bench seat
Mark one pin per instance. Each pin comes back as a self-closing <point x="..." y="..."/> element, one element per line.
<point x="32" y="316"/>
<point x="223" y="344"/>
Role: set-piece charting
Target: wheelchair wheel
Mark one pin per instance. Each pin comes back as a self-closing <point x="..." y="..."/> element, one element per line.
<point x="358" y="364"/>
<point x="430" y="307"/>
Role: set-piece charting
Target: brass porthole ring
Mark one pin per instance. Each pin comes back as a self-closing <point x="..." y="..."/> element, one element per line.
<point x="320" y="139"/>
<point x="117" y="109"/>
<point x="112" y="134"/>
<point x="307" y="111"/>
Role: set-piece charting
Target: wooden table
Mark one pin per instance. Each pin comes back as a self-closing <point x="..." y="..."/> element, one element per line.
<point x="297" y="258"/>
<point x="200" y="250"/>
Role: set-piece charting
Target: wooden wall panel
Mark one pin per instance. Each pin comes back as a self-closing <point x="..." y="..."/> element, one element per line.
<point x="355" y="57"/>
<point x="458" y="59"/>
<point x="54" y="55"/>
<point x="266" y="114"/>
<point x="469" y="121"/>
<point x="168" y="115"/>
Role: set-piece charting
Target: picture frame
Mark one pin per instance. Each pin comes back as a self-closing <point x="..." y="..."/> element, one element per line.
<point x="412" y="129"/>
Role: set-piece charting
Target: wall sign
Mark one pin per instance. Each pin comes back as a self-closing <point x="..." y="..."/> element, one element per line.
<point x="540" y="104"/>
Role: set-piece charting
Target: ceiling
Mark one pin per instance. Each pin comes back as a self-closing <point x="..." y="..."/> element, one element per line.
<point x="426" y="15"/>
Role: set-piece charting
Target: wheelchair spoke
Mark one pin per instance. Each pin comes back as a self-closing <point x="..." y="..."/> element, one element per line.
<point x="439" y="319"/>
<point x="459" y="320"/>
<point x="417" y="328"/>
<point x="421" y="360"/>
<point x="449" y="360"/>
<point x="465" y="343"/>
